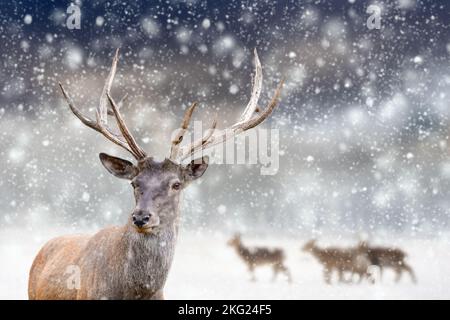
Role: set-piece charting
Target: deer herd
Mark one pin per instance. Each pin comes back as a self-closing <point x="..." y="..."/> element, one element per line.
<point x="349" y="264"/>
<point x="132" y="261"/>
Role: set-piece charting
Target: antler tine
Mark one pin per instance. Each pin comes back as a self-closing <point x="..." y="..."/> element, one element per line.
<point x="125" y="131"/>
<point x="102" y="111"/>
<point x="119" y="104"/>
<point x="236" y="129"/>
<point x="251" y="123"/>
<point x="94" y="124"/>
<point x="256" y="91"/>
<point x="206" y="139"/>
<point x="85" y="120"/>
<point x="246" y="120"/>
<point x="180" y="132"/>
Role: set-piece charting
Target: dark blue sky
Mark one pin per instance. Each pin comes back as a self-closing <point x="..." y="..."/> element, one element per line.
<point x="267" y="25"/>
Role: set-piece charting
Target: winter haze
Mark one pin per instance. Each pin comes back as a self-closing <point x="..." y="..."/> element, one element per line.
<point x="364" y="125"/>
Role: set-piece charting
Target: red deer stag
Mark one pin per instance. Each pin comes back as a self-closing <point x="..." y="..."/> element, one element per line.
<point x="254" y="257"/>
<point x="132" y="261"/>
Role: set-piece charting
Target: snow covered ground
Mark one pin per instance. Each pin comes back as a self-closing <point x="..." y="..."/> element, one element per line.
<point x="205" y="268"/>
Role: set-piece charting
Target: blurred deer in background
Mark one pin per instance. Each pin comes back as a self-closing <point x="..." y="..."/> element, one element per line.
<point x="260" y="256"/>
<point x="384" y="257"/>
<point x="133" y="261"/>
<point x="340" y="260"/>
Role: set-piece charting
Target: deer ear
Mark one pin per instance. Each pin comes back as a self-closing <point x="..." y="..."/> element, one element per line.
<point x="119" y="167"/>
<point x="196" y="168"/>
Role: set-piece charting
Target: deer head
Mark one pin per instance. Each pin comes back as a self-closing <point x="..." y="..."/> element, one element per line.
<point x="157" y="185"/>
<point x="309" y="246"/>
<point x="235" y="241"/>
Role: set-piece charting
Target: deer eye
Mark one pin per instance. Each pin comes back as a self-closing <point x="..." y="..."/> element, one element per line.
<point x="176" y="186"/>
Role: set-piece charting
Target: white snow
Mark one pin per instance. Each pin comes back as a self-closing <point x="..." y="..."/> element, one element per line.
<point x="150" y="26"/>
<point x="73" y="58"/>
<point x="99" y="21"/>
<point x="206" y="23"/>
<point x="28" y="19"/>
<point x="206" y="268"/>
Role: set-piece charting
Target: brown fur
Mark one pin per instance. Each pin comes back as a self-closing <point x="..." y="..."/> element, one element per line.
<point x="339" y="260"/>
<point x="384" y="257"/>
<point x="259" y="256"/>
<point x="115" y="263"/>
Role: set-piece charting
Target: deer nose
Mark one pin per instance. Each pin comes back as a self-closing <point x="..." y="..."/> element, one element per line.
<point x="141" y="218"/>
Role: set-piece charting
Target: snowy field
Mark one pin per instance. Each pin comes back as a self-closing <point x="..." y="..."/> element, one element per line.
<point x="206" y="268"/>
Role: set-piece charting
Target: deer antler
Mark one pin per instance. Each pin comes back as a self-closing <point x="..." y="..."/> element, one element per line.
<point x="125" y="139"/>
<point x="246" y="121"/>
<point x="180" y="132"/>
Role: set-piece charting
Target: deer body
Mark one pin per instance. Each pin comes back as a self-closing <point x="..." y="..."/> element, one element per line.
<point x="384" y="257"/>
<point x="258" y="256"/>
<point x="339" y="260"/>
<point x="133" y="261"/>
<point x="115" y="263"/>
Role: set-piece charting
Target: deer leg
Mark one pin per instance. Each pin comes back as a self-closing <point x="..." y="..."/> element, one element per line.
<point x="280" y="267"/>
<point x="327" y="275"/>
<point x="341" y="276"/>
<point x="288" y="274"/>
<point x="275" y="269"/>
<point x="350" y="279"/>
<point x="251" y="268"/>
<point x="360" y="276"/>
<point x="398" y="272"/>
<point x="381" y="273"/>
<point x="408" y="269"/>
<point x="370" y="277"/>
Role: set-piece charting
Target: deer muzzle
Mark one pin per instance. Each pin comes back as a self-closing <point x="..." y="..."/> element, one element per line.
<point x="143" y="219"/>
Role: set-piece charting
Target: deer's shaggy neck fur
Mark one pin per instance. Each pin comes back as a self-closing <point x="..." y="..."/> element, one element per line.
<point x="144" y="262"/>
<point x="136" y="269"/>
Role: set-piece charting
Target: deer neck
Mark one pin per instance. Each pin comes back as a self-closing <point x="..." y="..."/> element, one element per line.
<point x="316" y="251"/>
<point x="241" y="249"/>
<point x="147" y="259"/>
